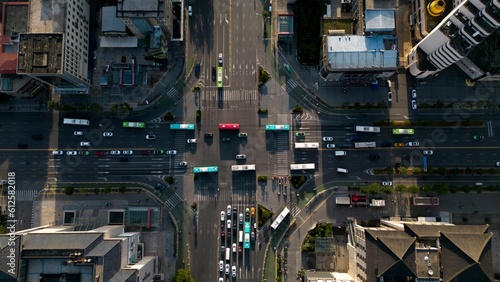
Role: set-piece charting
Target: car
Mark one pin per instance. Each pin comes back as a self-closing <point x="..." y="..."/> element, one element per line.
<point x="345" y="145"/>
<point x="243" y="134"/>
<point x="209" y="135"/>
<point x="300" y="134"/>
<point x="71" y="153"/>
<point x="234" y="247"/>
<point x="100" y="153"/>
<point x="413" y="144"/>
<point x="373" y="157"/>
<point x="240" y="250"/>
<point x="226" y="139"/>
<point x="85" y="144"/>
<point x="399" y="144"/>
<point x="124" y="159"/>
<point x="235" y="213"/>
<point x="252" y="236"/>
<point x="57" y="152"/>
<point x="37" y="137"/>
<point x="241" y="156"/>
<point x="414" y="93"/>
<point x="222" y="233"/>
<point x="247" y="212"/>
<point x="327" y="138"/>
<point x="197" y="68"/>
<point x="252" y="212"/>
<point x="146" y="152"/>
<point x="331" y="146"/>
<point x="389" y="96"/>
<point x="115" y="153"/>
<point x="413" y="104"/>
<point x="213" y="74"/>
<point x="428" y="152"/>
<point x="222" y="215"/>
<point x="83" y="153"/>
<point x="221" y="266"/>
<point x="190" y="11"/>
<point x="354" y="138"/>
<point x="158" y="152"/>
<point x="406" y="157"/>
<point x="386" y="183"/>
<point x="78" y="133"/>
<point x="241" y="218"/>
<point x="498" y="163"/>
<point x="128" y="152"/>
<point x="220" y="58"/>
<point x="160" y="187"/>
<point x="171" y="152"/>
<point x="228" y="224"/>
<point x="386" y="144"/>
<point x="227" y="268"/>
<point x="22" y="146"/>
<point x="191" y="141"/>
<point x="150" y="136"/>
<point x="183" y="164"/>
<point x="107" y="134"/>
<point x="478" y="137"/>
<point x="221" y="279"/>
<point x="233" y="271"/>
<point x="228" y="210"/>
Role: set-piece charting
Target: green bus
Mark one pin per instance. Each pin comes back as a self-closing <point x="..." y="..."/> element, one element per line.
<point x="403" y="131"/>
<point x="182" y="126"/>
<point x="202" y="169"/>
<point x="134" y="124"/>
<point x="277" y="127"/>
<point x="219" y="77"/>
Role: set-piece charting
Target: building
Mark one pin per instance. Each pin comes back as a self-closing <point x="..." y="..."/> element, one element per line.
<point x="448" y="32"/>
<point x="324" y="276"/>
<point x="432" y="251"/>
<point x="58" y="253"/>
<point x="55" y="49"/>
<point x="141" y="16"/>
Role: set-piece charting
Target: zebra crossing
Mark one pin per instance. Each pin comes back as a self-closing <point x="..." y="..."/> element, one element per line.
<point x="282" y="145"/>
<point x="294" y="210"/>
<point x="174" y="94"/>
<point x="25" y="195"/>
<point x="247" y="95"/>
<point x="290" y="85"/>
<point x="206" y="195"/>
<point x="173" y="201"/>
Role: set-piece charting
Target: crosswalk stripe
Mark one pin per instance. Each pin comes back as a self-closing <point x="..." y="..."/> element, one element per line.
<point x="290" y="85"/>
<point x="25" y="195"/>
<point x="173" y="201"/>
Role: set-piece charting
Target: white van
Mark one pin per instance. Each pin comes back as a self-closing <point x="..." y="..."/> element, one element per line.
<point x="340" y="153"/>
<point x="342" y="170"/>
<point x="240" y="237"/>
<point x="228" y="254"/>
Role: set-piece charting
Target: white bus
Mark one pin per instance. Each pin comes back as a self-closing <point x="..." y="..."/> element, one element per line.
<point x="75" y="121"/>
<point x="242" y="167"/>
<point x="302" y="166"/>
<point x="371" y="129"/>
<point x="228" y="254"/>
<point x="312" y="145"/>
<point x="365" y="145"/>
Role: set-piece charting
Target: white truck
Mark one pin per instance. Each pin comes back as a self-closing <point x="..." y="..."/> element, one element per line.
<point x="340" y="153"/>
<point x="343" y="200"/>
<point x="365" y="145"/>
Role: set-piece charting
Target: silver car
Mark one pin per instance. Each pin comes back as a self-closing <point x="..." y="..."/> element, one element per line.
<point x="327" y="138"/>
<point x="78" y="133"/>
<point x="115" y="153"/>
<point x="428" y="152"/>
<point x="107" y="134"/>
<point x="387" y="183"/>
<point x="171" y="152"/>
<point x="71" y="153"/>
<point x="85" y="144"/>
<point x="241" y="156"/>
<point x="128" y="152"/>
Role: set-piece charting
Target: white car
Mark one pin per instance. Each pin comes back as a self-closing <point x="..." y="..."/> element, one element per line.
<point x="241" y="218"/>
<point x="85" y="144"/>
<point x="107" y="134"/>
<point x="222" y="214"/>
<point x="221" y="279"/>
<point x="389" y="96"/>
<point x="58" y="152"/>
<point x="331" y="146"/>
<point x="413" y="104"/>
<point x="498" y="163"/>
<point x="71" y="153"/>
<point x="190" y="11"/>
<point x="115" y="153"/>
<point x="241" y="156"/>
<point x="234" y="247"/>
<point x="414" y="93"/>
<point x="387" y="183"/>
<point x="228" y="209"/>
<point x="327" y="138"/>
<point x="428" y="152"/>
<point x="413" y="144"/>
<point x="227" y="268"/>
<point x="220" y="58"/>
<point x="78" y="133"/>
<point x="171" y="152"/>
<point x="233" y="271"/>
<point x="228" y="223"/>
<point x="191" y="141"/>
<point x="150" y="136"/>
<point x="221" y="266"/>
<point x="183" y="164"/>
<point x="128" y="152"/>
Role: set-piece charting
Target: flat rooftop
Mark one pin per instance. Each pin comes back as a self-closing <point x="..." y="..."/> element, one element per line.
<point x="14" y="18"/>
<point x="47" y="16"/>
<point x="140" y="8"/>
<point x="40" y="53"/>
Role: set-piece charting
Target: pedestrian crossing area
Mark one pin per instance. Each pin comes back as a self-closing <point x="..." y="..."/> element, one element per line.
<point x="25" y="195"/>
<point x="282" y="145"/>
<point x="290" y="85"/>
<point x="294" y="210"/>
<point x="206" y="195"/>
<point x="174" y="94"/>
<point x="173" y="201"/>
<point x="248" y="95"/>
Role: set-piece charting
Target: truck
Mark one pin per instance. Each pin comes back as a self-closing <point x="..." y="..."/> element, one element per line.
<point x="340" y="153"/>
<point x="228" y="254"/>
<point x="365" y="145"/>
<point x="343" y="200"/>
<point x="75" y="121"/>
<point x="377" y="203"/>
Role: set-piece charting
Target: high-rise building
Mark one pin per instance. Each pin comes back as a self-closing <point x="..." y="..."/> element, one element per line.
<point x="55" y="50"/>
<point x="467" y="24"/>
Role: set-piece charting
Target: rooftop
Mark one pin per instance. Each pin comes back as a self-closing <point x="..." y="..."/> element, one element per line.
<point x="379" y="20"/>
<point x="140" y="8"/>
<point x="47" y="16"/>
<point x="40" y="53"/>
<point x="110" y="23"/>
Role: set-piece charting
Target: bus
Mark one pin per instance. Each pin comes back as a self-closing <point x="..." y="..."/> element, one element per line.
<point x="219" y="77"/>
<point x="311" y="145"/>
<point x="76" y="121"/>
<point x="242" y="167"/>
<point x="425" y="201"/>
<point x="277" y="127"/>
<point x="202" y="169"/>
<point x="403" y="131"/>
<point x="229" y="126"/>
<point x="246" y="242"/>
<point x="372" y="129"/>
<point x="182" y="126"/>
<point x="246" y="227"/>
<point x="134" y="124"/>
<point x="365" y="145"/>
<point x="302" y="166"/>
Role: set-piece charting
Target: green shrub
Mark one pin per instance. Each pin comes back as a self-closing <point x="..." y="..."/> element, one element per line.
<point x="262" y="178"/>
<point x="107" y="188"/>
<point x="69" y="190"/>
<point x="263" y="111"/>
<point x="168" y="116"/>
<point x="96" y="191"/>
<point x="298" y="109"/>
<point x="198" y="115"/>
<point x="170" y="180"/>
<point x="122" y="189"/>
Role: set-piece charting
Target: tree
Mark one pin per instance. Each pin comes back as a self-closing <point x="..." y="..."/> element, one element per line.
<point x="170" y="180"/>
<point x="96" y="191"/>
<point x="69" y="190"/>
<point x="403" y="170"/>
<point x="389" y="170"/>
<point x="387" y="189"/>
<point x="168" y="116"/>
<point x="183" y="275"/>
<point x="479" y="171"/>
<point x="468" y="170"/>
<point x="417" y="171"/>
<point x="492" y="171"/>
<point x="107" y="188"/>
<point x="440" y="188"/>
<point x="442" y="171"/>
<point x="413" y="189"/>
<point x="455" y="171"/>
<point x="401" y="188"/>
<point x="122" y="189"/>
<point x="371" y="189"/>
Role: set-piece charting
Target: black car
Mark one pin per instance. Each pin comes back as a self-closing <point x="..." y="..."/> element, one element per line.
<point x="213" y="74"/>
<point x="406" y="157"/>
<point x="124" y="159"/>
<point x="197" y="68"/>
<point x="345" y="145"/>
<point x="160" y="187"/>
<point x="209" y="135"/>
<point x="374" y="157"/>
<point x="37" y="137"/>
<point x="22" y="146"/>
<point x="226" y="139"/>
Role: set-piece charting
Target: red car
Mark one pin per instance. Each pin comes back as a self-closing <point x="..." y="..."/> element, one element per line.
<point x="100" y="153"/>
<point x="146" y="152"/>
